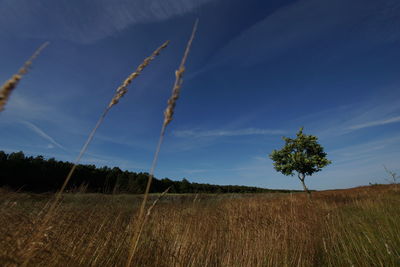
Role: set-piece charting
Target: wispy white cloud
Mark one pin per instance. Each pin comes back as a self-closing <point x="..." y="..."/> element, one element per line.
<point x="27" y="107"/>
<point x="372" y="112"/>
<point x="375" y="123"/>
<point x="221" y="133"/>
<point x="372" y="151"/>
<point x="44" y="135"/>
<point x="70" y="128"/>
<point x="86" y="21"/>
<point x="292" y="26"/>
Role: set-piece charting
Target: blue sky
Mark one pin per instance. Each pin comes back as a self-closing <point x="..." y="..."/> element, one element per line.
<point x="258" y="70"/>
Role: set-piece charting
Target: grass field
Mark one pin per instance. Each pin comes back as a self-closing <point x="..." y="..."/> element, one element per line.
<point x="355" y="227"/>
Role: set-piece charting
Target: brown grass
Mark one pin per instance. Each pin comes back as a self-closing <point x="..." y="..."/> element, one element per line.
<point x="119" y="93"/>
<point x="357" y="227"/>
<point x="168" y="116"/>
<point x="48" y="211"/>
<point x="8" y="87"/>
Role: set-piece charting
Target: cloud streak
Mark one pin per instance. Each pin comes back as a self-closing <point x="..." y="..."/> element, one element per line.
<point x="375" y="123"/>
<point x="222" y="133"/>
<point x="277" y="34"/>
<point x="42" y="134"/>
<point x="87" y="21"/>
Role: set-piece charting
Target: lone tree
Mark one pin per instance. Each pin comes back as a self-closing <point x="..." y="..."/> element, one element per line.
<point x="303" y="155"/>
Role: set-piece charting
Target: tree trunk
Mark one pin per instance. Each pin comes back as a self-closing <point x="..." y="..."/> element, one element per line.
<point x="302" y="177"/>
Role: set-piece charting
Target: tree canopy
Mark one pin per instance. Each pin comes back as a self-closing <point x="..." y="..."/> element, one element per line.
<point x="37" y="174"/>
<point x="302" y="155"/>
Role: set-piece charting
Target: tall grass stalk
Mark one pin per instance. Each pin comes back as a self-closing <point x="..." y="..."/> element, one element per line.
<point x="120" y="92"/>
<point x="8" y="87"/>
<point x="168" y="116"/>
<point x="146" y="217"/>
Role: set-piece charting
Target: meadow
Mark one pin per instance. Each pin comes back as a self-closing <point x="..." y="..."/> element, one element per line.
<point x="353" y="227"/>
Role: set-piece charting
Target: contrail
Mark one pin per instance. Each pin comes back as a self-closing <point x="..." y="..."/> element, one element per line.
<point x="41" y="133"/>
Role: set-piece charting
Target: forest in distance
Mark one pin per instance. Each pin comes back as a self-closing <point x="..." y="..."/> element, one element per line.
<point x="37" y="174"/>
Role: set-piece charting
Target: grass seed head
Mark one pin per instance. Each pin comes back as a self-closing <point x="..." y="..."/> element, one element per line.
<point x="176" y="90"/>
<point x="7" y="88"/>
<point x="123" y="89"/>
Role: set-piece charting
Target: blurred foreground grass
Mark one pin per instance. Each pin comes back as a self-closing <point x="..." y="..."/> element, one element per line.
<point x="355" y="227"/>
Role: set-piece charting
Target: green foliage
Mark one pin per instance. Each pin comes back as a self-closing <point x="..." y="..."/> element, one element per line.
<point x="302" y="155"/>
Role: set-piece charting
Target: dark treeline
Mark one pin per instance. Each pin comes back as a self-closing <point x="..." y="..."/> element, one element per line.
<point x="37" y="174"/>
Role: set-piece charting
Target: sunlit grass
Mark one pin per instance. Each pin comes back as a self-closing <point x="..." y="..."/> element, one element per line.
<point x="357" y="227"/>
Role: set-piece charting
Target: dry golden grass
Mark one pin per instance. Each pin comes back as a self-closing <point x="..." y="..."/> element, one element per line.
<point x="8" y="87"/>
<point x="51" y="207"/>
<point x="48" y="211"/>
<point x="168" y="116"/>
<point x="119" y="93"/>
<point x="357" y="227"/>
<point x="123" y="88"/>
